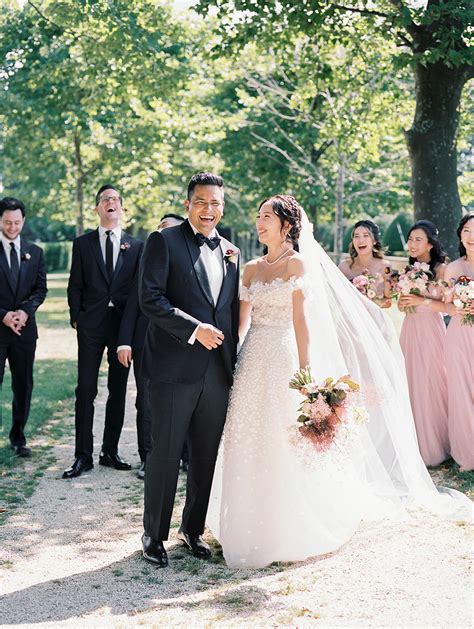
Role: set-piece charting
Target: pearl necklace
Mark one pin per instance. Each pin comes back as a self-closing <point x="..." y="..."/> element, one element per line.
<point x="279" y="258"/>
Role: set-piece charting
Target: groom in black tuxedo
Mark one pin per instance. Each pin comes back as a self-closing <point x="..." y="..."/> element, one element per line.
<point x="188" y="289"/>
<point x="104" y="267"/>
<point x="22" y="291"/>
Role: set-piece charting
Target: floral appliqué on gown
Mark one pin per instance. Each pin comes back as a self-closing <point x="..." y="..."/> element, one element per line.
<point x="268" y="504"/>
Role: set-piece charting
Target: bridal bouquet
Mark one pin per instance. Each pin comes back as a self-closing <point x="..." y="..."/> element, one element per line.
<point x="366" y="283"/>
<point x="464" y="298"/>
<point x="415" y="279"/>
<point x="326" y="407"/>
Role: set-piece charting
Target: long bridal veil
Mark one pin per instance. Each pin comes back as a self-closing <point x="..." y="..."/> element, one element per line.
<point x="350" y="334"/>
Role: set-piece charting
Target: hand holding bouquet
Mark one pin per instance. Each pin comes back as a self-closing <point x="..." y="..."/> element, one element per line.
<point x="415" y="279"/>
<point x="366" y="283"/>
<point x="325" y="407"/>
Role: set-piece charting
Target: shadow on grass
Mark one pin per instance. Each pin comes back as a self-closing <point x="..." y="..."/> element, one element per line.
<point x="131" y="586"/>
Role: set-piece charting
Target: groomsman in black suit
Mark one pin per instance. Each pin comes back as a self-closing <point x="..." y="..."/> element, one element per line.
<point x="188" y="289"/>
<point x="22" y="291"/>
<point x="104" y="266"/>
<point x="131" y="340"/>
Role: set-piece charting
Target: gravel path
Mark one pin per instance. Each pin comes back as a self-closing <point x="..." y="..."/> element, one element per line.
<point x="70" y="558"/>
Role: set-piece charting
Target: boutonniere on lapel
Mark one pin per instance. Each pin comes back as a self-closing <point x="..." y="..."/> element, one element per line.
<point x="25" y="257"/>
<point x="124" y="246"/>
<point x="230" y="256"/>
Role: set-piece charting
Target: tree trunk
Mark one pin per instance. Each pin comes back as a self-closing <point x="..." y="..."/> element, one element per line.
<point x="79" y="186"/>
<point x="433" y="153"/>
<point x="339" y="219"/>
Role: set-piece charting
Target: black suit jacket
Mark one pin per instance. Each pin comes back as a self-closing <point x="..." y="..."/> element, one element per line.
<point x="134" y="324"/>
<point x="30" y="294"/>
<point x="175" y="295"/>
<point x="89" y="290"/>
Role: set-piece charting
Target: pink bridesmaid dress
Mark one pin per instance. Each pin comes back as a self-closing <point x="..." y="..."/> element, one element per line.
<point x="460" y="370"/>
<point x="423" y="339"/>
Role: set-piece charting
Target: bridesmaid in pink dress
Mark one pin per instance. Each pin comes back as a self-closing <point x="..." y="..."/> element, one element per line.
<point x="366" y="253"/>
<point x="460" y="358"/>
<point x="423" y="339"/>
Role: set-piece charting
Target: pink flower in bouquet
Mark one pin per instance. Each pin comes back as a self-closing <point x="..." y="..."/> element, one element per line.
<point x="366" y="283"/>
<point x="320" y="409"/>
<point x="414" y="280"/>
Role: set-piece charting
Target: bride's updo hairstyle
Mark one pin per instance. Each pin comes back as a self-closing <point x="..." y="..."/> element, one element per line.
<point x="288" y="211"/>
<point x="377" y="248"/>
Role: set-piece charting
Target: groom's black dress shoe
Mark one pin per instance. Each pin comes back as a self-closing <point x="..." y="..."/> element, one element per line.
<point x="80" y="465"/>
<point x="196" y="544"/>
<point x="113" y="460"/>
<point x="154" y="552"/>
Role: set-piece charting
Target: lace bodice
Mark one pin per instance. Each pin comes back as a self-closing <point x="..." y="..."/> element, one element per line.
<point x="271" y="301"/>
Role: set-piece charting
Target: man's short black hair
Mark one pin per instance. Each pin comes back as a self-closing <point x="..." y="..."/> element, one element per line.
<point x="12" y="204"/>
<point x="177" y="217"/>
<point x="107" y="186"/>
<point x="204" y="179"/>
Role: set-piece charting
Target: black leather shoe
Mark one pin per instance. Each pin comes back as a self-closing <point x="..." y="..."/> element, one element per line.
<point x="141" y="471"/>
<point x="154" y="552"/>
<point x="113" y="460"/>
<point x="196" y="544"/>
<point x="80" y="465"/>
<point x="22" y="451"/>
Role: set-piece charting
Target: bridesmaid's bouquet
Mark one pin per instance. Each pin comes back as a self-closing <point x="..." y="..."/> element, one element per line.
<point x="326" y="407"/>
<point x="366" y="283"/>
<point x="415" y="279"/>
<point x="464" y="298"/>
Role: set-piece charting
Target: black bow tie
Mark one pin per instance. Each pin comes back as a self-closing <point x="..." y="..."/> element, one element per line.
<point x="212" y="243"/>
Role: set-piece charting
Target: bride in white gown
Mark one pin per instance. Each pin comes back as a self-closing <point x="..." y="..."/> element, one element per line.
<point x="274" y="497"/>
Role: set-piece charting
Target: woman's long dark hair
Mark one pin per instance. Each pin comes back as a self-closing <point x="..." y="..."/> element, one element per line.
<point x="377" y="249"/>
<point x="288" y="210"/>
<point x="437" y="253"/>
<point x="465" y="219"/>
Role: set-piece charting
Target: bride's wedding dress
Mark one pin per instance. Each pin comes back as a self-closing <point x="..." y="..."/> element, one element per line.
<point x="278" y="502"/>
<point x="274" y="497"/>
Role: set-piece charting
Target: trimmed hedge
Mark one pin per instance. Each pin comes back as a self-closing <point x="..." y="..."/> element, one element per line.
<point x="57" y="255"/>
<point x="391" y="238"/>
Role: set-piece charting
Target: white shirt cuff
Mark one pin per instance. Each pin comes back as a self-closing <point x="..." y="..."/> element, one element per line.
<point x="192" y="338"/>
<point x="123" y="347"/>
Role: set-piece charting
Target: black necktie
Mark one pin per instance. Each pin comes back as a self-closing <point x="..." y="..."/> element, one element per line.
<point x="14" y="266"/>
<point x="109" y="255"/>
<point x="212" y="243"/>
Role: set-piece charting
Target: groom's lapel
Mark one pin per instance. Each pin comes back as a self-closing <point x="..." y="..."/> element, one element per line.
<point x="95" y="246"/>
<point x="229" y="267"/>
<point x="197" y="262"/>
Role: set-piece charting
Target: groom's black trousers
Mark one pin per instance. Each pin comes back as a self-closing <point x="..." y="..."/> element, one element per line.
<point x="198" y="410"/>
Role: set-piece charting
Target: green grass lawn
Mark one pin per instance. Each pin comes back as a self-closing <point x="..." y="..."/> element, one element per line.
<point x="54" y="383"/>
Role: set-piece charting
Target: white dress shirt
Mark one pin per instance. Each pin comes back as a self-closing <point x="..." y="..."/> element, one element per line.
<point x="115" y="236"/>
<point x="7" y="248"/>
<point x="215" y="271"/>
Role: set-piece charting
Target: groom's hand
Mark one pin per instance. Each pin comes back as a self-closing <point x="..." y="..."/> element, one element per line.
<point x="209" y="336"/>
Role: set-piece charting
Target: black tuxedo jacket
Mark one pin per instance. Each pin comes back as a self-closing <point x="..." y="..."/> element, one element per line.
<point x="30" y="294"/>
<point x="89" y="291"/>
<point x="175" y="295"/>
<point x="134" y="324"/>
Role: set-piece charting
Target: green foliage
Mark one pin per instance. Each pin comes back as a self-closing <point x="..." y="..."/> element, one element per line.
<point x="57" y="255"/>
<point x="391" y="238"/>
